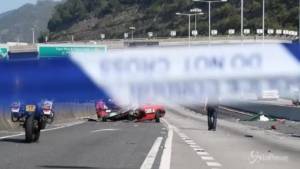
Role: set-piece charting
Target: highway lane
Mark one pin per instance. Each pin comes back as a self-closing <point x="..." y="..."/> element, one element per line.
<point x="233" y="145"/>
<point x="113" y="145"/>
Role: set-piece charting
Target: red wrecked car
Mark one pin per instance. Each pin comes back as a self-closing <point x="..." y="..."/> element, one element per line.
<point x="150" y="112"/>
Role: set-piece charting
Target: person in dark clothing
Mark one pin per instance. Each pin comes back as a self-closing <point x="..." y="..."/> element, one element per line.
<point x="212" y="114"/>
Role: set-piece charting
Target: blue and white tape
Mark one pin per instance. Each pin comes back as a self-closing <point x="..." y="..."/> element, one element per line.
<point x="181" y="74"/>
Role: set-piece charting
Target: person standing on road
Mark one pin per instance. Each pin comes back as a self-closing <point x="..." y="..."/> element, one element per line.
<point x="212" y="114"/>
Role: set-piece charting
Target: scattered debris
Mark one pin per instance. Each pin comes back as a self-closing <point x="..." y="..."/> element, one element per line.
<point x="248" y="135"/>
<point x="273" y="127"/>
<point x="263" y="118"/>
<point x="295" y="135"/>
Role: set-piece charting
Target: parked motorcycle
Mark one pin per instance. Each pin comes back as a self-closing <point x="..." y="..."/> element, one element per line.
<point x="31" y="117"/>
<point x="17" y="112"/>
<point x="48" y="112"/>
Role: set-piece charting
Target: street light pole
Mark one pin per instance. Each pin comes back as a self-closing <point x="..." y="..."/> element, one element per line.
<point x="263" y="21"/>
<point x="242" y="18"/>
<point x="209" y="20"/>
<point x="209" y="13"/>
<point x="189" y="15"/>
<point x="33" y="36"/>
<point x="195" y="22"/>
<point x="132" y="28"/>
<point x="189" y="29"/>
<point x="196" y="11"/>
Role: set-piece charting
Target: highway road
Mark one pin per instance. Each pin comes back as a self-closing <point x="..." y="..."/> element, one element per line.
<point x="111" y="145"/>
<point x="181" y="141"/>
<point x="233" y="145"/>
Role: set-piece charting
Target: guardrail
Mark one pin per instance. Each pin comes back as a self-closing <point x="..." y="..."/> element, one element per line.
<point x="165" y="41"/>
<point x="276" y="111"/>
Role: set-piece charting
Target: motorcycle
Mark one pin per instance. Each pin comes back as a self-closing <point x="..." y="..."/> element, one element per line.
<point x="17" y="112"/>
<point x="48" y="112"/>
<point x="31" y="117"/>
<point x="111" y="111"/>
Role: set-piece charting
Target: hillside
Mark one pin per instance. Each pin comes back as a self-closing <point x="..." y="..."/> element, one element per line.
<point x="88" y="19"/>
<point x="16" y="25"/>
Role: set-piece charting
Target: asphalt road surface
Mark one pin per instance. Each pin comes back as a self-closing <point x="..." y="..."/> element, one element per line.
<point x="233" y="145"/>
<point x="90" y="145"/>
<point x="181" y="141"/>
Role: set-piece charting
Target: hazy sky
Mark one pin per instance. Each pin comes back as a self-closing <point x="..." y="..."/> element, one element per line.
<point x="13" y="4"/>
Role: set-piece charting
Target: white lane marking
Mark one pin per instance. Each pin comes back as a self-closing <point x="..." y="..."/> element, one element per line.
<point x="198" y="149"/>
<point x="165" y="162"/>
<point x="149" y="161"/>
<point x="194" y="146"/>
<point x="191" y="143"/>
<point x="207" y="158"/>
<point x="16" y="135"/>
<point x="213" y="164"/>
<point x="45" y="130"/>
<point x="202" y="153"/>
<point x="101" y="130"/>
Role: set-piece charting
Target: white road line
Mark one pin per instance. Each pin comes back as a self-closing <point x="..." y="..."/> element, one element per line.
<point x="149" y="161"/>
<point x="213" y="164"/>
<point x="16" y="135"/>
<point x="191" y="143"/>
<point x="194" y="146"/>
<point x="45" y="130"/>
<point x="202" y="153"/>
<point x="198" y="149"/>
<point x="207" y="158"/>
<point x="165" y="162"/>
<point x="101" y="130"/>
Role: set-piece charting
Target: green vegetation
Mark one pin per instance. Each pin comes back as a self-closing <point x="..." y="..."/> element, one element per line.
<point x="16" y="25"/>
<point x="87" y="19"/>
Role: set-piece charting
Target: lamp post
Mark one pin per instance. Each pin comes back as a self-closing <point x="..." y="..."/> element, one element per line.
<point x="196" y="10"/>
<point x="33" y="35"/>
<point x="189" y="15"/>
<point x="209" y="14"/>
<point x="242" y="19"/>
<point x="263" y="20"/>
<point x="132" y="28"/>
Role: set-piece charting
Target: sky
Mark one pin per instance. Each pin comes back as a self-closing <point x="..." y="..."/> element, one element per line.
<point x="14" y="4"/>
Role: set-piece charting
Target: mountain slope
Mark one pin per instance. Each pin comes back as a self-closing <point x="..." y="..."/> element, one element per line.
<point x="88" y="19"/>
<point x="16" y="25"/>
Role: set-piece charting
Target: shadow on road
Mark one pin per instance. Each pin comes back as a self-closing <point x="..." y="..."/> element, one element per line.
<point x="72" y="167"/>
<point x="67" y="167"/>
<point x="14" y="140"/>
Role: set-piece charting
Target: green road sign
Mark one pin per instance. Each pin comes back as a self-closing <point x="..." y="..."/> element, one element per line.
<point x="3" y="52"/>
<point x="64" y="50"/>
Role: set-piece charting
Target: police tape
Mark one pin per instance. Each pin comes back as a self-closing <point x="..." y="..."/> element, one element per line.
<point x="178" y="74"/>
<point x="189" y="74"/>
